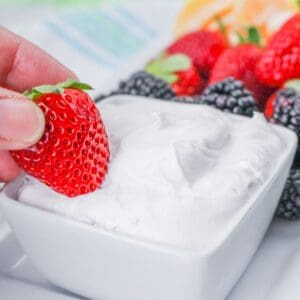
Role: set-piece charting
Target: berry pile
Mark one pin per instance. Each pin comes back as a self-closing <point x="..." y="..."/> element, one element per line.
<point x="239" y="62"/>
<point x="202" y="67"/>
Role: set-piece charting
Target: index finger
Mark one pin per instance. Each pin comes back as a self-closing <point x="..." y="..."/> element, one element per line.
<point x="24" y="65"/>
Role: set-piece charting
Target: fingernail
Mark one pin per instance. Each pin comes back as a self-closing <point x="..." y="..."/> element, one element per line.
<point x="20" y="120"/>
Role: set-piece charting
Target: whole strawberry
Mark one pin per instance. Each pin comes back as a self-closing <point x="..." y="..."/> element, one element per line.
<point x="72" y="155"/>
<point x="240" y="62"/>
<point x="179" y="72"/>
<point x="280" y="61"/>
<point x="203" y="47"/>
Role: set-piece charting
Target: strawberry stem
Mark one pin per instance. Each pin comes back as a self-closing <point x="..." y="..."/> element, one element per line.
<point x="252" y="37"/>
<point x="221" y="25"/>
<point x="56" y="88"/>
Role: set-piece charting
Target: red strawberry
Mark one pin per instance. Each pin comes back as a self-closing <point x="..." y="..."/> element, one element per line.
<point x="203" y="47"/>
<point x="179" y="72"/>
<point x="239" y="62"/>
<point x="73" y="154"/>
<point x="188" y="82"/>
<point x="280" y="61"/>
<point x="269" y="108"/>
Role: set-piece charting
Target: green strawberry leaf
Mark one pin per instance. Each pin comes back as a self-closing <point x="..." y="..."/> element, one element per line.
<point x="73" y="84"/>
<point x="154" y="67"/>
<point x="252" y="37"/>
<point x="47" y="88"/>
<point x="293" y="84"/>
<point x="32" y="94"/>
<point x="169" y="78"/>
<point x="165" y="67"/>
<point x="56" y="88"/>
<point x="175" y="63"/>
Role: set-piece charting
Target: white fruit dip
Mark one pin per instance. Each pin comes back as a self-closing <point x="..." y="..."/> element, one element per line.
<point x="179" y="174"/>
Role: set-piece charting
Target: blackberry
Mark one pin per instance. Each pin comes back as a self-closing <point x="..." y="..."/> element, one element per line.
<point x="143" y="84"/>
<point x="287" y="109"/>
<point x="230" y="95"/>
<point x="286" y="112"/>
<point x="289" y="205"/>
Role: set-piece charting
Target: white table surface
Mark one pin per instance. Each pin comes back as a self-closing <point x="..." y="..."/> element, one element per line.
<point x="274" y="272"/>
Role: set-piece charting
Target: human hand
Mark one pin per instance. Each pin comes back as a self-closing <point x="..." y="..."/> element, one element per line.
<point x="22" y="66"/>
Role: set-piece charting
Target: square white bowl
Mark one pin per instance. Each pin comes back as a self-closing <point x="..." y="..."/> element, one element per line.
<point x="105" y="265"/>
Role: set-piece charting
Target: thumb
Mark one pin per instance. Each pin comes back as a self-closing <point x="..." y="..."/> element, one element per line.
<point x="22" y="122"/>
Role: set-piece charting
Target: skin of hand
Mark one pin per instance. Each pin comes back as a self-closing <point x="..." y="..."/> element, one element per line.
<point x="22" y="66"/>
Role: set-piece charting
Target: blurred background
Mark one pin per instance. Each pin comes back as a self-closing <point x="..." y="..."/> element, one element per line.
<point x="100" y="40"/>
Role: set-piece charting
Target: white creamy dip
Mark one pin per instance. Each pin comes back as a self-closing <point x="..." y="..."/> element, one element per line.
<point x="179" y="174"/>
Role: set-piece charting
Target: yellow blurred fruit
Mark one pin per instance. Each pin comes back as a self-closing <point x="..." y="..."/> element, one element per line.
<point x="259" y="13"/>
<point x="236" y="15"/>
<point x="200" y="13"/>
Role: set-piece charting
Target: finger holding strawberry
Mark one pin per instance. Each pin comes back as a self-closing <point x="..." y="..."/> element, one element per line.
<point x="72" y="156"/>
